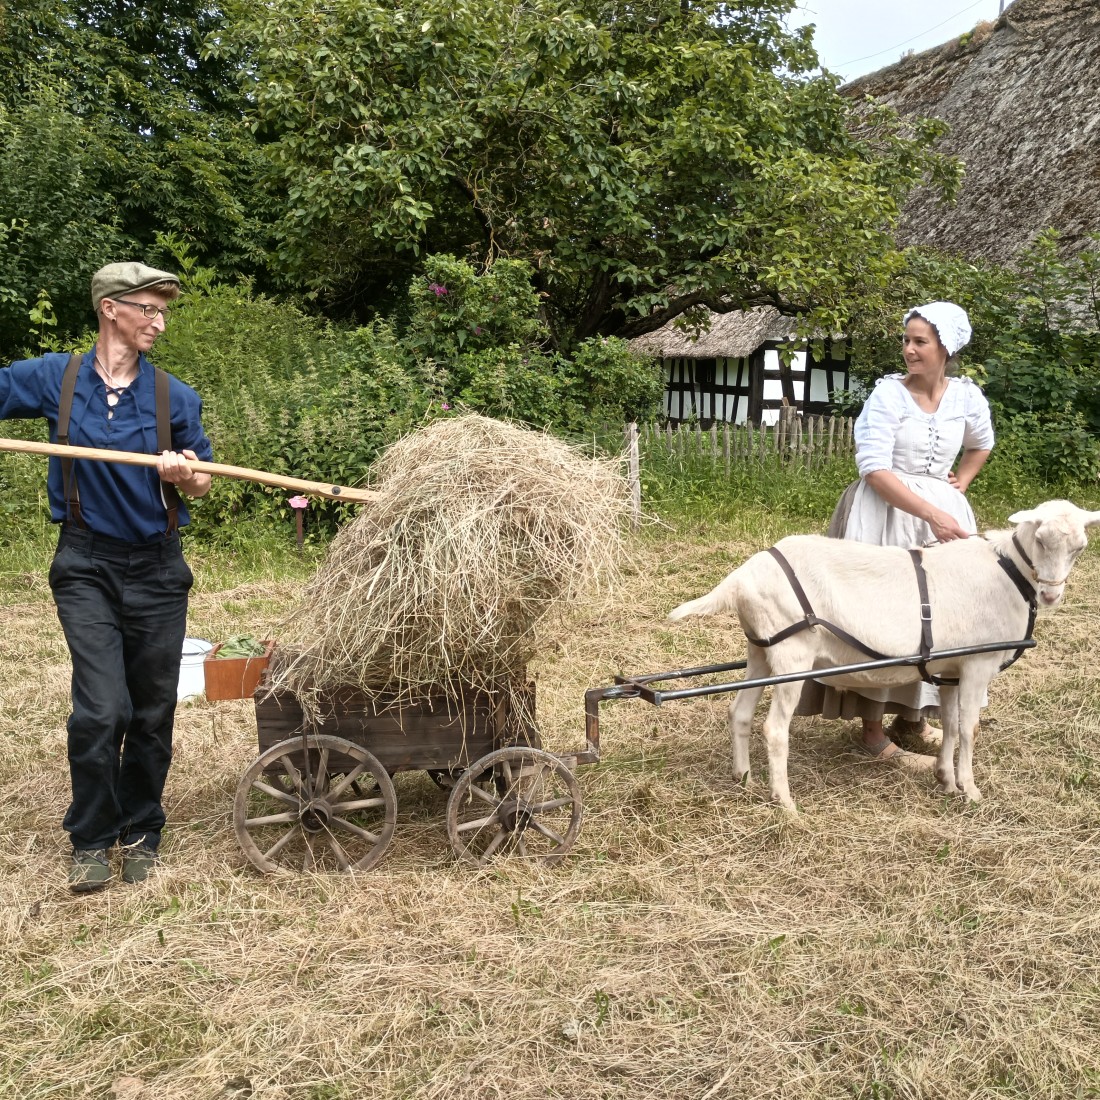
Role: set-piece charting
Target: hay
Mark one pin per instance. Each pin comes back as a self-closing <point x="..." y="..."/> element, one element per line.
<point x="481" y="530"/>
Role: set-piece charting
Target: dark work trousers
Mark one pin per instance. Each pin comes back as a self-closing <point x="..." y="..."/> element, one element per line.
<point x="123" y="607"/>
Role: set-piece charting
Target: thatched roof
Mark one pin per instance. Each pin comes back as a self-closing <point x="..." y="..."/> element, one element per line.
<point x="731" y="335"/>
<point x="1022" y="98"/>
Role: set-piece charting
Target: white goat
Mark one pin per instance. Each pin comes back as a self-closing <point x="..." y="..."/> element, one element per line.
<point x="871" y="592"/>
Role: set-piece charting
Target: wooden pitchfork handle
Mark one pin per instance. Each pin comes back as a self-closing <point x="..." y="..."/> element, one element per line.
<point x="133" y="458"/>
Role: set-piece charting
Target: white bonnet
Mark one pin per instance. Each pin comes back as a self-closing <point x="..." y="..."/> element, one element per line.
<point x="950" y="322"/>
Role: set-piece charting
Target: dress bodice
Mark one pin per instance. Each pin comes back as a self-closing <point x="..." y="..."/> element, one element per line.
<point x="894" y="433"/>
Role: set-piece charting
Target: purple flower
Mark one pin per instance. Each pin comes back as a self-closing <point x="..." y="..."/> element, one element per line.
<point x="437" y="289"/>
<point x="444" y="405"/>
<point x="477" y="330"/>
<point x="298" y="502"/>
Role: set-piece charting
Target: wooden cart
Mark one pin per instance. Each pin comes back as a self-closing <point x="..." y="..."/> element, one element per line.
<point x="321" y="797"/>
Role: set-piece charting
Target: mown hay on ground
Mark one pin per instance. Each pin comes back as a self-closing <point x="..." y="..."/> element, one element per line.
<point x="481" y="528"/>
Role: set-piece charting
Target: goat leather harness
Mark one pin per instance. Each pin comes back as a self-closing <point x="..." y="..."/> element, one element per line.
<point x="812" y="620"/>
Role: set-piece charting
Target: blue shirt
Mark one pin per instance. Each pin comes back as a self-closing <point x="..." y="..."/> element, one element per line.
<point x="122" y="502"/>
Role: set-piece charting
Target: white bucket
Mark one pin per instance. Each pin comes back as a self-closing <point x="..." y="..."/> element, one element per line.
<point x="192" y="679"/>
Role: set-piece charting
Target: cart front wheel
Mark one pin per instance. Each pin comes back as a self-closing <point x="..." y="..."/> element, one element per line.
<point x="317" y="803"/>
<point x="532" y="808"/>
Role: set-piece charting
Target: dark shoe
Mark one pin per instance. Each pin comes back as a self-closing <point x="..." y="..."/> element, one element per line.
<point x="137" y="861"/>
<point x="90" y="870"/>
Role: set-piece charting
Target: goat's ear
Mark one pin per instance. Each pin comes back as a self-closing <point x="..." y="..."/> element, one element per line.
<point x="1092" y="519"/>
<point x="1023" y="517"/>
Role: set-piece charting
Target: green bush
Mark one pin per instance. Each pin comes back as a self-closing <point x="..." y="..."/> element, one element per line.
<point x="56" y="226"/>
<point x="1035" y="351"/>
<point x="286" y="393"/>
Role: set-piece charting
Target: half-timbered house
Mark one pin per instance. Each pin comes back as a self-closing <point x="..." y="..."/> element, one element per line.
<point x="744" y="368"/>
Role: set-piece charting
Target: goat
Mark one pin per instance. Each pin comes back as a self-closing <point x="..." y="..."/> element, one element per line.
<point x="871" y="592"/>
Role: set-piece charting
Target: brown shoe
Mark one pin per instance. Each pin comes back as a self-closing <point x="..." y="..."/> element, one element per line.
<point x="889" y="753"/>
<point x="920" y="734"/>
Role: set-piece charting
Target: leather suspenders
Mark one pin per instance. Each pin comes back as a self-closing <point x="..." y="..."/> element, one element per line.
<point x="169" y="493"/>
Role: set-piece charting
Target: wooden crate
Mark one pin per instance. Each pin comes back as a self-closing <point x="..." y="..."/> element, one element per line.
<point x="447" y="731"/>
<point x="234" y="677"/>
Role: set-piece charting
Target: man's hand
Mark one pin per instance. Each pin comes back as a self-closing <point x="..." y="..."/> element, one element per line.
<point x="174" y="467"/>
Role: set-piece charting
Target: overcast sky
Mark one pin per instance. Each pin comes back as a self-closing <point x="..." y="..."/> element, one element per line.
<point x="856" y="37"/>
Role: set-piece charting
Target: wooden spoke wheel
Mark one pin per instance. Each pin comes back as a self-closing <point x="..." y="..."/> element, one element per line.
<point x="532" y="808"/>
<point x="293" y="812"/>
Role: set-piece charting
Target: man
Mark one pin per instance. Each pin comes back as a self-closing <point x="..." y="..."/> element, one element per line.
<point x="118" y="578"/>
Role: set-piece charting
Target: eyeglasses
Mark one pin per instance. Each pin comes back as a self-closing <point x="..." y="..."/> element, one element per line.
<point x="147" y="308"/>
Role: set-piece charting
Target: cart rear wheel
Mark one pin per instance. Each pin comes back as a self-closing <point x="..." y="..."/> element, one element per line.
<point x="292" y="812"/>
<point x="532" y="809"/>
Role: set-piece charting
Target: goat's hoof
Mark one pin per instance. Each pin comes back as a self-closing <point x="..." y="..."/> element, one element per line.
<point x="742" y="780"/>
<point x="948" y="788"/>
<point x="972" y="794"/>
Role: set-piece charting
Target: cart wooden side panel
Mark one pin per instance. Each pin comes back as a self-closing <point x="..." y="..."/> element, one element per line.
<point x="447" y="732"/>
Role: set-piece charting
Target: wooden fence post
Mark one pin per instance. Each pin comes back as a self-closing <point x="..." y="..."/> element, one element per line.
<point x="634" y="473"/>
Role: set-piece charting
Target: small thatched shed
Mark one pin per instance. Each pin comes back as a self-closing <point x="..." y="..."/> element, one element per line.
<point x="746" y="366"/>
<point x="1022" y="98"/>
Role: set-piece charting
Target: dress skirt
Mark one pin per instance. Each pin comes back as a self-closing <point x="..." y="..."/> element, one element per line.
<point x="861" y="514"/>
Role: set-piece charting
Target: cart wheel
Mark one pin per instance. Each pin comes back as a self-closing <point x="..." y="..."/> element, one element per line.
<point x="533" y="808"/>
<point x="295" y="814"/>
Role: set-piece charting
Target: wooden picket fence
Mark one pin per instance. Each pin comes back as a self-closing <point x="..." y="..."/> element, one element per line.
<point x="811" y="440"/>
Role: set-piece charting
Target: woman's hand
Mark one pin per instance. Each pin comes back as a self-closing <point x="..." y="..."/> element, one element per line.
<point x="946" y="528"/>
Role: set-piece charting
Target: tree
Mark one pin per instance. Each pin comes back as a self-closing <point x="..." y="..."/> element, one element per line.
<point x="172" y="150"/>
<point x="648" y="158"/>
<point x="56" y="225"/>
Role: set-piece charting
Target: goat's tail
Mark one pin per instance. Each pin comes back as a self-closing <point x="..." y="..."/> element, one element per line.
<point x="723" y="597"/>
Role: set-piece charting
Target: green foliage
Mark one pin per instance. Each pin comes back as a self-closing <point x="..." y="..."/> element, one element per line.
<point x="646" y="159"/>
<point x="690" y="486"/>
<point x="56" y="225"/>
<point x="455" y="310"/>
<point x="479" y="340"/>
<point x="114" y="126"/>
<point x="240" y="645"/>
<point x="606" y="382"/>
<point x="286" y="393"/>
<point x="1035" y="351"/>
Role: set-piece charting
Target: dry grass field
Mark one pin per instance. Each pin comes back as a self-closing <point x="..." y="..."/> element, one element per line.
<point x="696" y="943"/>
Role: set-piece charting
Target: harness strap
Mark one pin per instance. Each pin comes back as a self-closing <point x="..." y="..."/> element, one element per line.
<point x="68" y="470"/>
<point x="926" y="623"/>
<point x="169" y="493"/>
<point x="811" y="619"/>
<point x="1025" y="590"/>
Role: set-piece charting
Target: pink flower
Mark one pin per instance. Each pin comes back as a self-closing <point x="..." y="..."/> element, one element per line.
<point x="298" y="502"/>
<point x="437" y="289"/>
<point x="444" y="405"/>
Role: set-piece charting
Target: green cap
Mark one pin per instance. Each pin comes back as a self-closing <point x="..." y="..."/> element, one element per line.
<point x="118" y="280"/>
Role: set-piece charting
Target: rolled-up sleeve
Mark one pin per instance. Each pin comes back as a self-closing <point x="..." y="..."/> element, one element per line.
<point x="876" y="428"/>
<point x="978" y="433"/>
<point x="21" y="390"/>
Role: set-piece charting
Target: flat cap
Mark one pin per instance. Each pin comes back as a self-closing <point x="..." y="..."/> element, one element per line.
<point x="115" y="280"/>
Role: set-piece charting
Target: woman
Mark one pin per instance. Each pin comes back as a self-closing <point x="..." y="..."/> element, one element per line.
<point x="908" y="436"/>
<point x="118" y="577"/>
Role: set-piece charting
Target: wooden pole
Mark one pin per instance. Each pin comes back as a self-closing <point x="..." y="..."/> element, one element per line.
<point x="132" y="458"/>
<point x="635" y="474"/>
